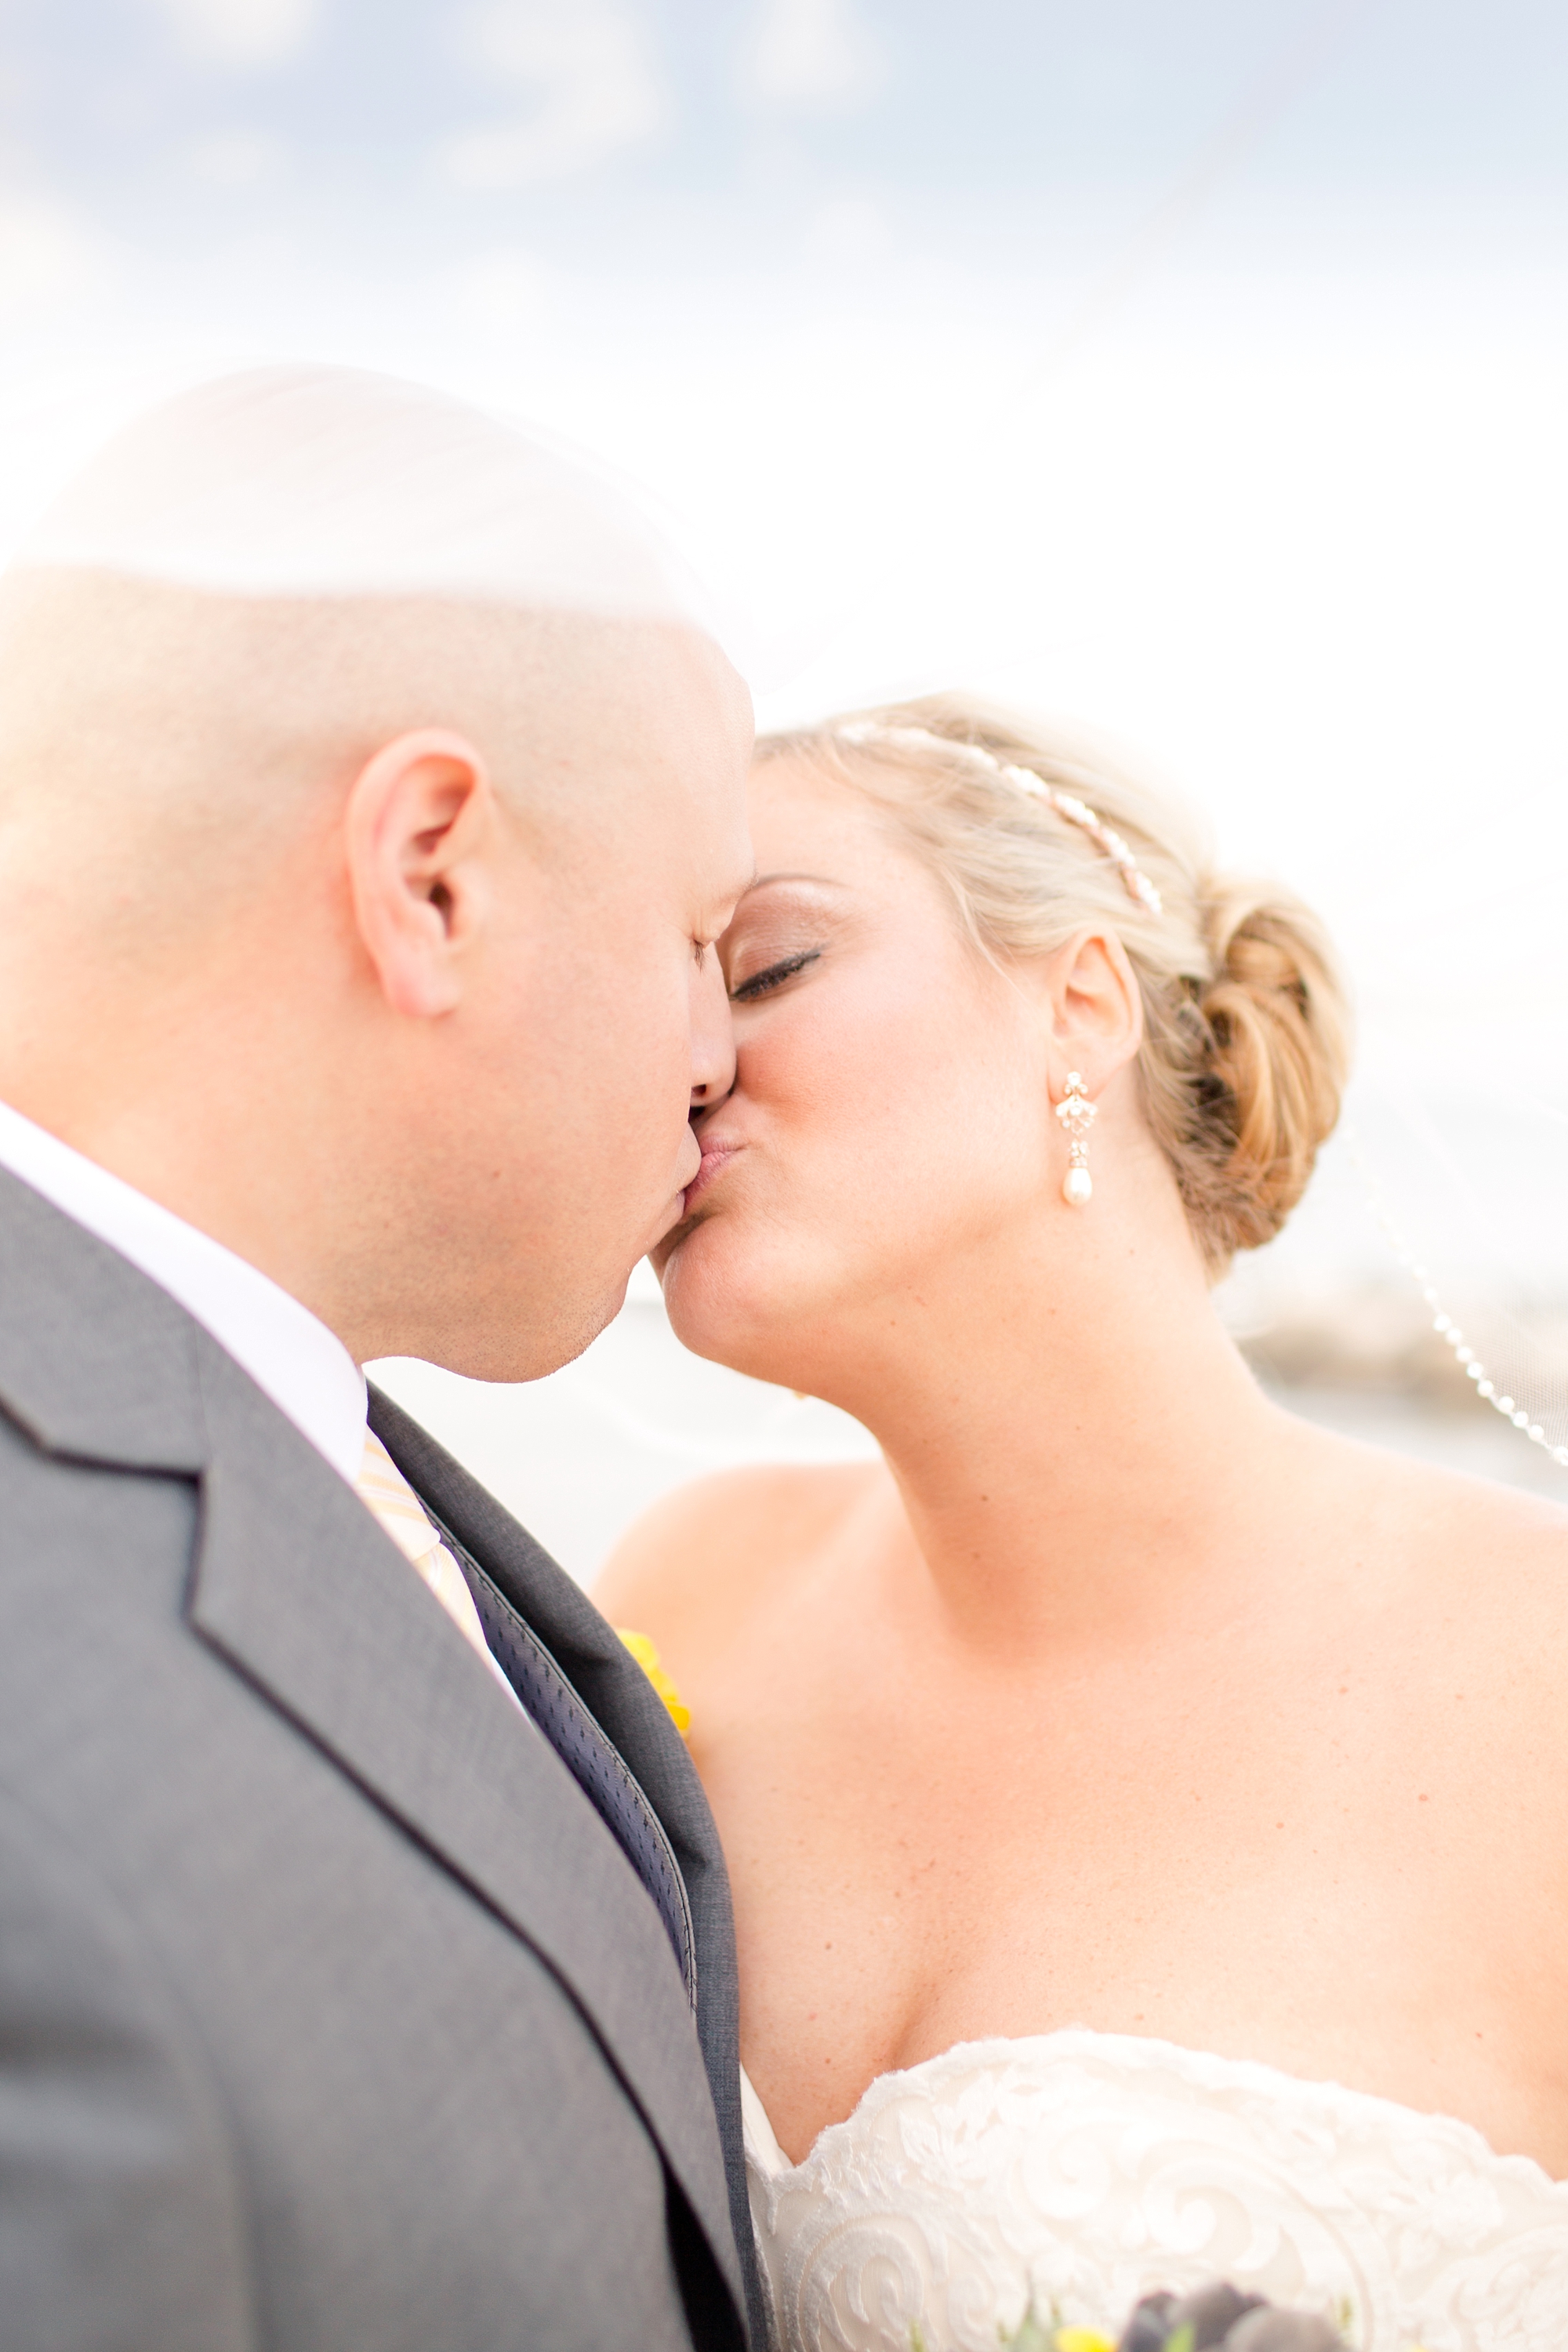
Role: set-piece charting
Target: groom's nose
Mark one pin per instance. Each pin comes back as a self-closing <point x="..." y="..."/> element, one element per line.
<point x="713" y="1036"/>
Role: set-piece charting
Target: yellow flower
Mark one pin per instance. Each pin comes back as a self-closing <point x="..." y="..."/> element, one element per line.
<point x="646" y="1656"/>
<point x="1082" y="2339"/>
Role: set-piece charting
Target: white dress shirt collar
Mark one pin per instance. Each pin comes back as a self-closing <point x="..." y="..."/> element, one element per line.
<point x="294" y="1358"/>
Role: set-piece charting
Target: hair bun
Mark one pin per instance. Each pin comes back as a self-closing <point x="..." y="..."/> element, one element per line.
<point x="1276" y="1057"/>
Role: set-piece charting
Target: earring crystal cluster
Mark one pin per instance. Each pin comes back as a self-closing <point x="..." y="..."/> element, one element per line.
<point x="1077" y="1114"/>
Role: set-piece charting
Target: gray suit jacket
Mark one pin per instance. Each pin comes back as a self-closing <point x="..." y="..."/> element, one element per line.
<point x="332" y="2014"/>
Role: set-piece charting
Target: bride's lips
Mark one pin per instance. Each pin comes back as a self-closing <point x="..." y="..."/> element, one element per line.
<point x="716" y="1157"/>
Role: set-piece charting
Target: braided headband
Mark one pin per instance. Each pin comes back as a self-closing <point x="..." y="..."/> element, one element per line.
<point x="1110" y="845"/>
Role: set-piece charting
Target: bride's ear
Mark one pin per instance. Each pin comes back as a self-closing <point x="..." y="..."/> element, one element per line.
<point x="1095" y="1008"/>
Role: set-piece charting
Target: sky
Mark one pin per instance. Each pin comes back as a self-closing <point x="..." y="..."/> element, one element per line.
<point x="1193" y="370"/>
<point x="1192" y="367"/>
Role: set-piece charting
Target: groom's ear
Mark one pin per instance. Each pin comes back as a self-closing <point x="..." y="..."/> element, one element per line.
<point x="417" y="817"/>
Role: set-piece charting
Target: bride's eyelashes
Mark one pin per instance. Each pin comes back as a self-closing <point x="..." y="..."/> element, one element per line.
<point x="761" y="983"/>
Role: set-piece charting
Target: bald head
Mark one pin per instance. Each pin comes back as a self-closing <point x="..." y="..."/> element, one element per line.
<point x="367" y="776"/>
<point x="251" y="587"/>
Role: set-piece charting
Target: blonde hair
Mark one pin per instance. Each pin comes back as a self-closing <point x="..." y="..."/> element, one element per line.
<point x="1247" y="1026"/>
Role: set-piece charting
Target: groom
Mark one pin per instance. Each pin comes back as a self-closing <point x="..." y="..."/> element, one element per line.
<point x="370" y="799"/>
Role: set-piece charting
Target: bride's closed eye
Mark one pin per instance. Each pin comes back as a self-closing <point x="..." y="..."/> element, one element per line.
<point x="785" y="924"/>
<point x="774" y="975"/>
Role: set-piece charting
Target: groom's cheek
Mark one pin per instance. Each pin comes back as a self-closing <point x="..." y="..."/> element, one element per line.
<point x="626" y="1122"/>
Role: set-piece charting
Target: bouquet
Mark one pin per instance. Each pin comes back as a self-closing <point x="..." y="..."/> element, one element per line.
<point x="1216" y="2318"/>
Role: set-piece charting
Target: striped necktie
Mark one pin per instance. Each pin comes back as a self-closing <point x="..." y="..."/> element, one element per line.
<point x="382" y="1486"/>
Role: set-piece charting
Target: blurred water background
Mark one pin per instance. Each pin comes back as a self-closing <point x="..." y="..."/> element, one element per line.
<point x="1192" y="369"/>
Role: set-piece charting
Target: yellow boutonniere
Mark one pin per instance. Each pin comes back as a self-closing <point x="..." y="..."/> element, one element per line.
<point x="646" y="1656"/>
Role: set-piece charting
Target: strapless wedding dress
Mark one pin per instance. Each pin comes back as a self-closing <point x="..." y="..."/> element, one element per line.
<point x="1087" y="2169"/>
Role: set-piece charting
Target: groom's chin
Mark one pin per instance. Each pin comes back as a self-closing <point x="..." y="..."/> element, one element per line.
<point x="532" y="1342"/>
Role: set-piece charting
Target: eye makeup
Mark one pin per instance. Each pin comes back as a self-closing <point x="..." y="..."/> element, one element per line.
<point x="783" y="924"/>
<point x="773" y="976"/>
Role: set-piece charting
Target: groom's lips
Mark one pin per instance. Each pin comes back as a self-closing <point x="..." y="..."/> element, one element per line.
<point x="715" y="1158"/>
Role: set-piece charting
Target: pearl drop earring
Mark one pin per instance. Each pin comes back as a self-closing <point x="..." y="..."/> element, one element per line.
<point x="1077" y="1114"/>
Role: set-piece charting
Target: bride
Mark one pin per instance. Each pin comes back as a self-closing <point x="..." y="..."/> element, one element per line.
<point x="1147" y="1814"/>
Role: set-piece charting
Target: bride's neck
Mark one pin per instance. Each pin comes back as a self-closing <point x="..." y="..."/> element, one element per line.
<point x="1072" y="1447"/>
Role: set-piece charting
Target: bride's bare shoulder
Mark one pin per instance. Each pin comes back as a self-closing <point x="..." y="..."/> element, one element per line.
<point x="1480" y="1567"/>
<point x="697" y="1563"/>
<point x="1504" y="1552"/>
<point x="1453" y="1508"/>
<point x="1447" y="1518"/>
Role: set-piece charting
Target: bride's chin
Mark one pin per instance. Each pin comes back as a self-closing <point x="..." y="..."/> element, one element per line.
<point x="699" y="1314"/>
<point x="715" y="1311"/>
<point x="680" y="1270"/>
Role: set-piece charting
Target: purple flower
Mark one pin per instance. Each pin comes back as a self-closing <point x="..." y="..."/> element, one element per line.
<point x="1219" y="2318"/>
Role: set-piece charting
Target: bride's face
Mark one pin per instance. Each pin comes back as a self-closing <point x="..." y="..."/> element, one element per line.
<point x="888" y="1128"/>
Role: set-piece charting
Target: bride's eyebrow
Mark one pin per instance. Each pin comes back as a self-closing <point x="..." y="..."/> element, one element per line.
<point x="815" y="881"/>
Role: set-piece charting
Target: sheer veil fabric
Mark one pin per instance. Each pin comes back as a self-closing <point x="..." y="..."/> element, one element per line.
<point x="337" y="482"/>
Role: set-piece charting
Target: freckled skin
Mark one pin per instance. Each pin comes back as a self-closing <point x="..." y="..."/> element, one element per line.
<point x="1114" y="1695"/>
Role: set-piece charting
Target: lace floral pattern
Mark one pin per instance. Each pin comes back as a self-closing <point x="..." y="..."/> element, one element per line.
<point x="1089" y="2169"/>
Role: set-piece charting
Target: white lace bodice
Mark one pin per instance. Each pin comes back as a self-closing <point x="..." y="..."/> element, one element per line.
<point x="1089" y="2169"/>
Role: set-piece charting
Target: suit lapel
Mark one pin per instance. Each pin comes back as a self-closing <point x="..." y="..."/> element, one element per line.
<point x="598" y="1769"/>
<point x="97" y="1364"/>
<point x="622" y="1700"/>
<point x="297" y="1586"/>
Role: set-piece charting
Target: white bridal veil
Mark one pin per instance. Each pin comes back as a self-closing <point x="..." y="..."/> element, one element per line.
<point x="1438" y="1217"/>
<point x="313" y="481"/>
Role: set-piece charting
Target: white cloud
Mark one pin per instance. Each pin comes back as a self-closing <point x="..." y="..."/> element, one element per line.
<point x="814" y="56"/>
<point x="241" y="33"/>
<point x="594" y="84"/>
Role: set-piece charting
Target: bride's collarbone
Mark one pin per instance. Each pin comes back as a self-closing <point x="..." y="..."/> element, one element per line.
<point x="1382" y="1688"/>
<point x="1332" y="1900"/>
<point x="1077" y="1865"/>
